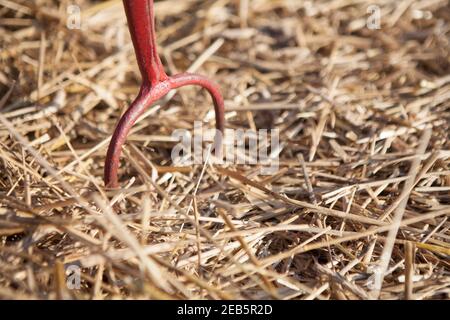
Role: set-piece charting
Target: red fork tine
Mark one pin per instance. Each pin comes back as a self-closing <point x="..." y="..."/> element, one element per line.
<point x="155" y="83"/>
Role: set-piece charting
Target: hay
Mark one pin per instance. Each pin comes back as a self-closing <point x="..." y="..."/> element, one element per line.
<point x="358" y="209"/>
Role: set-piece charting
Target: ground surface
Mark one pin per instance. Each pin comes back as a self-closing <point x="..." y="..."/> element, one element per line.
<point x="359" y="203"/>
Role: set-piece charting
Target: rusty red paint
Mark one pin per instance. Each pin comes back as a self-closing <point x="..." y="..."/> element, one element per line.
<point x="155" y="82"/>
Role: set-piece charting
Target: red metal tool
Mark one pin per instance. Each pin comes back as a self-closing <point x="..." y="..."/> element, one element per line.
<point x="155" y="82"/>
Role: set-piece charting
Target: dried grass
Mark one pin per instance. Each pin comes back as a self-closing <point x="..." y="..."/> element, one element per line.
<point x="358" y="210"/>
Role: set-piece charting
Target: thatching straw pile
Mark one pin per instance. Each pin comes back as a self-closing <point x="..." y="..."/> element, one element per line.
<point x="358" y="208"/>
